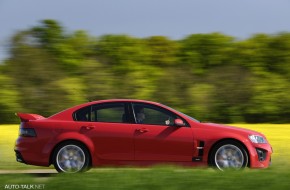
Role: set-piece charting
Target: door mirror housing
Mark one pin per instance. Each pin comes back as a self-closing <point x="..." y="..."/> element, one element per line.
<point x="179" y="122"/>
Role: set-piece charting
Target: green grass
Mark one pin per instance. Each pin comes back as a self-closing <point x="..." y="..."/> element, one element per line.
<point x="167" y="178"/>
<point x="163" y="177"/>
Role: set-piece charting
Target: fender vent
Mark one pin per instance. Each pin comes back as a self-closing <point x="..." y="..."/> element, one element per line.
<point x="200" y="148"/>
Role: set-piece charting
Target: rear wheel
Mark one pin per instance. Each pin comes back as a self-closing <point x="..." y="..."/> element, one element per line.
<point x="71" y="157"/>
<point x="229" y="155"/>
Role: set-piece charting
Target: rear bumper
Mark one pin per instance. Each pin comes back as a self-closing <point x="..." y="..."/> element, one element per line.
<point x="29" y="151"/>
<point x="19" y="157"/>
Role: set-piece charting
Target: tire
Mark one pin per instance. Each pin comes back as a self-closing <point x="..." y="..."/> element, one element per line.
<point x="71" y="157"/>
<point x="229" y="154"/>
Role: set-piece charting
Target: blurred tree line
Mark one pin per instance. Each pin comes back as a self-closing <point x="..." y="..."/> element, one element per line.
<point x="212" y="77"/>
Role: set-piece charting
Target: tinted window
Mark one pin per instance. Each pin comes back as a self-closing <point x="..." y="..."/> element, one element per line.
<point x="113" y="112"/>
<point x="83" y="114"/>
<point x="149" y="114"/>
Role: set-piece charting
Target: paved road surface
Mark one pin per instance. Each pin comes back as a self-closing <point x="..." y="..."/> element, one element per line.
<point x="34" y="171"/>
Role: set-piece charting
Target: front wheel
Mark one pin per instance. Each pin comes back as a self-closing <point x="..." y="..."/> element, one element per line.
<point x="229" y="155"/>
<point x="71" y="157"/>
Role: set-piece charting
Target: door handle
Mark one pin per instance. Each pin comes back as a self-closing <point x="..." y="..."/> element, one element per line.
<point x="88" y="127"/>
<point x="143" y="130"/>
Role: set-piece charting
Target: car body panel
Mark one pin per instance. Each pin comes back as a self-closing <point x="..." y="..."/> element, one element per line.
<point x="163" y="143"/>
<point x="132" y="143"/>
<point x="113" y="141"/>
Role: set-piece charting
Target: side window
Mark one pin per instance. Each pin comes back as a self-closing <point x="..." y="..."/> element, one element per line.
<point x="149" y="114"/>
<point x="109" y="112"/>
<point x="83" y="114"/>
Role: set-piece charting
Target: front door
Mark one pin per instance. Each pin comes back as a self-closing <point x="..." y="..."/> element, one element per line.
<point x="157" y="139"/>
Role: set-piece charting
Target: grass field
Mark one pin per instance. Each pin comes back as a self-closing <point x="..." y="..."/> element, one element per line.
<point x="165" y="177"/>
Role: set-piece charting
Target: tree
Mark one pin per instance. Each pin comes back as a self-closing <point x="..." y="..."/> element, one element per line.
<point x="121" y="52"/>
<point x="203" y="51"/>
<point x="212" y="77"/>
<point x="232" y="92"/>
<point x="48" y="34"/>
<point x="270" y="101"/>
<point x="163" y="52"/>
<point x="34" y="73"/>
<point x="9" y="100"/>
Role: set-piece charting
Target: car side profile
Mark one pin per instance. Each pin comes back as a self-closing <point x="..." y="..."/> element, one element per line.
<point x="121" y="132"/>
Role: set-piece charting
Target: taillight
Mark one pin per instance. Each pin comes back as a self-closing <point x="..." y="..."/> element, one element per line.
<point x="27" y="132"/>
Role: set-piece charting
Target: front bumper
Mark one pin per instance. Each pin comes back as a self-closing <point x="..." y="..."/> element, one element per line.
<point x="260" y="155"/>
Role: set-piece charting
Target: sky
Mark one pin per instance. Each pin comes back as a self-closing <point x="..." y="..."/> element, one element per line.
<point x="143" y="18"/>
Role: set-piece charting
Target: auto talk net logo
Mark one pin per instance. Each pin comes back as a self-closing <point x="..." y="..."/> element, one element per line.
<point x="24" y="186"/>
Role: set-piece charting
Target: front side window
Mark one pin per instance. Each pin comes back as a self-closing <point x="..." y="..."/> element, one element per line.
<point x="153" y="115"/>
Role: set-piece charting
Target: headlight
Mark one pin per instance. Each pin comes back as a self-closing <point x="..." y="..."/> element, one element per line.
<point x="257" y="139"/>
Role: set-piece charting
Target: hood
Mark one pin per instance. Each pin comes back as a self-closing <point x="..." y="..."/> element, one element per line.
<point x="220" y="127"/>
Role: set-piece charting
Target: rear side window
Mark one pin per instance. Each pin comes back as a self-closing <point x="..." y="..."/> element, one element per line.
<point x="107" y="112"/>
<point x="83" y="114"/>
<point x="114" y="112"/>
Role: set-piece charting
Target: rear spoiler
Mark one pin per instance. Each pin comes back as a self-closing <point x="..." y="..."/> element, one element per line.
<point x="28" y="116"/>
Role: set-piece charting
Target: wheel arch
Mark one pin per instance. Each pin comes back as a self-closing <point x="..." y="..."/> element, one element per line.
<point x="228" y="139"/>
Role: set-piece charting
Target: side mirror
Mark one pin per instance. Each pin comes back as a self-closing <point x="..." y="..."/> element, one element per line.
<point x="179" y="122"/>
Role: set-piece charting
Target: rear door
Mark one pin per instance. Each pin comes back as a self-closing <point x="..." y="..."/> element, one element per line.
<point x="109" y="127"/>
<point x="157" y="139"/>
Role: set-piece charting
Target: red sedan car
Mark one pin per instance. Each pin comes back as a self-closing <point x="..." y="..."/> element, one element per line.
<point x="134" y="132"/>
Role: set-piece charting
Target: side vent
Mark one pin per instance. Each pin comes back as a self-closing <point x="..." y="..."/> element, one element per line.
<point x="200" y="152"/>
<point x="200" y="148"/>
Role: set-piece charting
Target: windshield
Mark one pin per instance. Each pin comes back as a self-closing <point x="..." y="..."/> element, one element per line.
<point x="182" y="114"/>
<point x="189" y="116"/>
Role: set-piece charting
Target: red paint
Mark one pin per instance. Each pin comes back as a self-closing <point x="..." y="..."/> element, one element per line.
<point x="131" y="143"/>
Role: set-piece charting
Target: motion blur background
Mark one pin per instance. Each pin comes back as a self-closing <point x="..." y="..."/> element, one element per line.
<point x="209" y="75"/>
